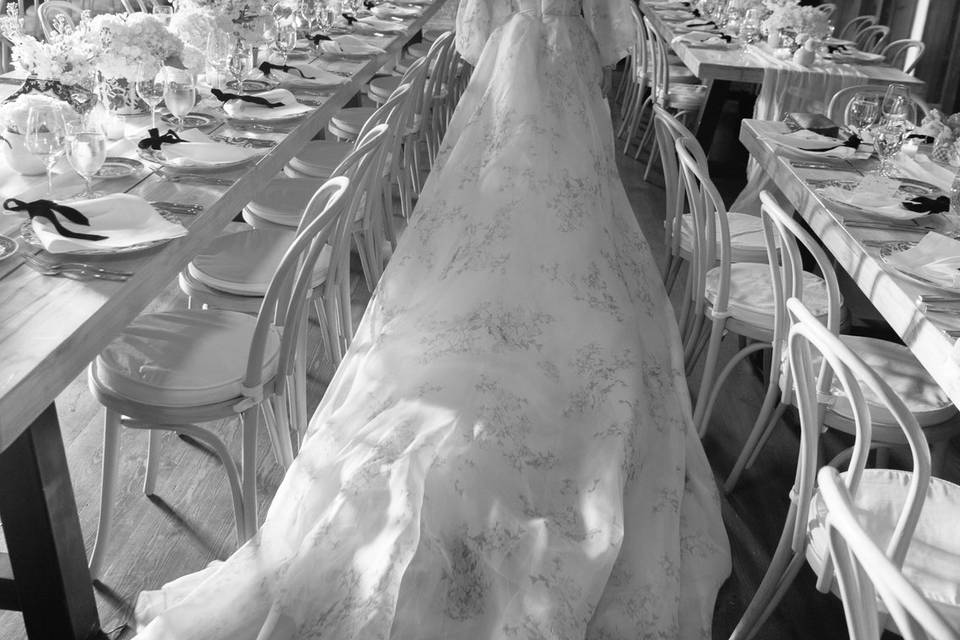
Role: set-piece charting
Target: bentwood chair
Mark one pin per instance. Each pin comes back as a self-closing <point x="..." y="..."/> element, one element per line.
<point x="171" y="370"/>
<point x="838" y="103"/>
<point x="827" y="8"/>
<point x="898" y="54"/>
<point x="911" y="514"/>
<point x="56" y="17"/>
<point x="853" y="28"/>
<point x="724" y="297"/>
<point x="924" y="398"/>
<point x="872" y="38"/>
<point x="870" y="584"/>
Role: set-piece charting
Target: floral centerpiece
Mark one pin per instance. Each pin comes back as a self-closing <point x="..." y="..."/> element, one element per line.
<point x="242" y="18"/>
<point x="124" y="42"/>
<point x="945" y="132"/>
<point x="60" y="59"/>
<point x="803" y="22"/>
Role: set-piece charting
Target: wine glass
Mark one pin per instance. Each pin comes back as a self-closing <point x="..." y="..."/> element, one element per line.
<point x="179" y="93"/>
<point x="750" y="26"/>
<point x="45" y="136"/>
<point x="219" y="51"/>
<point x="861" y="112"/>
<point x="86" y="152"/>
<point x="326" y="16"/>
<point x="887" y="140"/>
<point x="897" y="107"/>
<point x="238" y="65"/>
<point x="286" y="40"/>
<point x="149" y="86"/>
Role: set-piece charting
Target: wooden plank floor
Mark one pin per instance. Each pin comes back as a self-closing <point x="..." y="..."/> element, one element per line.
<point x="190" y="521"/>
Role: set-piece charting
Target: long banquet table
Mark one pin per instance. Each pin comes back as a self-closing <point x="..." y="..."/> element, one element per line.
<point x="720" y="68"/>
<point x="51" y="328"/>
<point x="855" y="249"/>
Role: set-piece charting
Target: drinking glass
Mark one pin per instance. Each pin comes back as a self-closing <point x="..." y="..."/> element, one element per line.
<point x="897" y="107"/>
<point x="219" y="50"/>
<point x="86" y="152"/>
<point x="149" y="86"/>
<point x="286" y="40"/>
<point x="887" y="140"/>
<point x="45" y="136"/>
<point x="750" y="27"/>
<point x="861" y="112"/>
<point x="179" y="93"/>
<point x="238" y="64"/>
<point x="326" y="16"/>
<point x="163" y="12"/>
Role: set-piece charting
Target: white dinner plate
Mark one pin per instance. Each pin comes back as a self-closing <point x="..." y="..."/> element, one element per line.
<point x="30" y="238"/>
<point x="898" y="246"/>
<point x="8" y="247"/>
<point x="158" y="157"/>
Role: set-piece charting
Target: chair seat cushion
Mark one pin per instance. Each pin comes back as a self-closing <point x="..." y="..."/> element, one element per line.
<point x="381" y="87"/>
<point x="418" y="49"/>
<point x="686" y="96"/>
<point x="284" y="200"/>
<point x="243" y="263"/>
<point x="320" y="157"/>
<point x="351" y="119"/>
<point x="184" y="358"/>
<point x="751" y="293"/>
<point x="933" y="560"/>
<point x="899" y="368"/>
<point x="746" y="236"/>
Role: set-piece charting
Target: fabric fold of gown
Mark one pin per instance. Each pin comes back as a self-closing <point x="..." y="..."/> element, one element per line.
<point x="506" y="451"/>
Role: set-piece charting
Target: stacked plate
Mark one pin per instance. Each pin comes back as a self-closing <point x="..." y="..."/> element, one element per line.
<point x="284" y="200"/>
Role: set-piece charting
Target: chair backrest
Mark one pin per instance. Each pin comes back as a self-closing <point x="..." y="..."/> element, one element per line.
<point x="660" y="71"/>
<point x="710" y="230"/>
<point x="865" y="574"/>
<point x="57" y="16"/>
<point x="838" y="103"/>
<point x="639" y="55"/>
<point x="903" y="54"/>
<point x="872" y="38"/>
<point x="437" y="59"/>
<point x="668" y="130"/>
<point x="284" y="303"/>
<point x="855" y="26"/>
<point x="807" y="335"/>
<point x="827" y="8"/>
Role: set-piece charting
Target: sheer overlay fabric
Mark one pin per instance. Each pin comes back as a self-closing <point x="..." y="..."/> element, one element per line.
<point x="506" y="451"/>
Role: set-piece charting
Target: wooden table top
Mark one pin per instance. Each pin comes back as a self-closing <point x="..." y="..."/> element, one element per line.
<point x="738" y="65"/>
<point x="51" y="328"/>
<point x="894" y="296"/>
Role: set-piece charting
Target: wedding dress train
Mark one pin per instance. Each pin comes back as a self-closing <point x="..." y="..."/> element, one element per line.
<point x="506" y="451"/>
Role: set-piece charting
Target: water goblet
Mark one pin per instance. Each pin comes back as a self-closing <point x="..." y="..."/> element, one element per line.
<point x="46" y="136"/>
<point x="861" y="112"/>
<point x="286" y="40"/>
<point x="86" y="152"/>
<point x="149" y="85"/>
<point x="219" y="50"/>
<point x="238" y="65"/>
<point x="326" y="16"/>
<point x="179" y="93"/>
<point x="897" y="108"/>
<point x="887" y="140"/>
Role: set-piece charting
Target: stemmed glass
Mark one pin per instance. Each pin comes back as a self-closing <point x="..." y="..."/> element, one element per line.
<point x="86" y="152"/>
<point x="45" y="136"/>
<point x="897" y="108"/>
<point x="238" y="64"/>
<point x="150" y="87"/>
<point x="286" y="40"/>
<point x="887" y="140"/>
<point x="219" y="51"/>
<point x="861" y="112"/>
<point x="179" y="93"/>
<point x="326" y="15"/>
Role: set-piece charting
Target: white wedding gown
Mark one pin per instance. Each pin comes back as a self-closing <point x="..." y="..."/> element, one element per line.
<point x="506" y="451"/>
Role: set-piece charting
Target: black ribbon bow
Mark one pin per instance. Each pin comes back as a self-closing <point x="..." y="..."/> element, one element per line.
<point x="853" y="142"/>
<point x="696" y="12"/>
<point x="837" y="48"/>
<point x="349" y="18"/>
<point x="369" y="4"/>
<point x="48" y="209"/>
<point x="267" y="67"/>
<point x="223" y="97"/>
<point x="319" y="38"/>
<point x="923" y="204"/>
<point x="155" y="141"/>
<point x="725" y="37"/>
<point x="701" y="23"/>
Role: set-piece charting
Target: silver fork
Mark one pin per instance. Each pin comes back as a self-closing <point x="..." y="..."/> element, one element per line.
<point x="35" y="260"/>
<point x="186" y="177"/>
<point x="73" y="273"/>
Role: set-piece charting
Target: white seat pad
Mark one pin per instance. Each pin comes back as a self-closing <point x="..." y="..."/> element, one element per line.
<point x="352" y="118"/>
<point x="285" y="198"/>
<point x="751" y="293"/>
<point x="383" y="86"/>
<point x="320" y="157"/>
<point x="746" y="236"/>
<point x="243" y="263"/>
<point x="184" y="358"/>
<point x="906" y="376"/>
<point x="933" y="560"/>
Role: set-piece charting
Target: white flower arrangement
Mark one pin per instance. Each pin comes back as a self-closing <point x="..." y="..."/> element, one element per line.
<point x="13" y="114"/>
<point x="60" y="59"/>
<point x="809" y="21"/>
<point x="124" y="42"/>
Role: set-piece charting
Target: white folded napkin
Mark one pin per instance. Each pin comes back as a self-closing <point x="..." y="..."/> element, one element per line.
<point x="920" y="167"/>
<point x="379" y="24"/>
<point x="857" y="56"/>
<point x="873" y="198"/>
<point x="675" y="14"/>
<point x="205" y="154"/>
<point x="668" y="4"/>
<point x="125" y="219"/>
<point x="701" y="40"/>
<point x="936" y="257"/>
<point x="388" y="9"/>
<point x="244" y="109"/>
<point x="349" y="46"/>
<point x="808" y="141"/>
<point x="318" y="77"/>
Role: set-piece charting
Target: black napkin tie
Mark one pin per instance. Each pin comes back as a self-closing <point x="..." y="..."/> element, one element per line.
<point x="853" y="142"/>
<point x="155" y="141"/>
<point x="923" y="204"/>
<point x="349" y="18"/>
<point x="223" y="97"/>
<point x="837" y="48"/>
<point x="317" y="39"/>
<point x="267" y="67"/>
<point x="369" y="4"/>
<point x="48" y="209"/>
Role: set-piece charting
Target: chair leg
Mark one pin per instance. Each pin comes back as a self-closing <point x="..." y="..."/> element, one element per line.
<point x="709" y="367"/>
<point x="248" y="479"/>
<point x="722" y="378"/>
<point x="647" y="134"/>
<point x="153" y="462"/>
<point x="768" y="409"/>
<point x="653" y="157"/>
<point x="108" y="481"/>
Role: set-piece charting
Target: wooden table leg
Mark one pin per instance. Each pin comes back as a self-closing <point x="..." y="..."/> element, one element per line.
<point x="42" y="530"/>
<point x="710" y="116"/>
